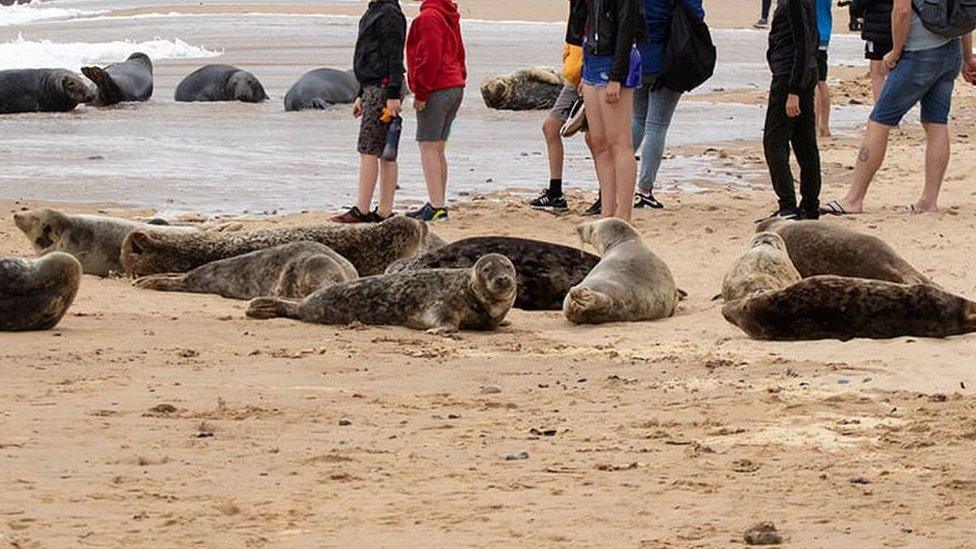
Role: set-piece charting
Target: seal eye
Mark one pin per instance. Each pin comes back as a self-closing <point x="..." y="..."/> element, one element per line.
<point x="45" y="241"/>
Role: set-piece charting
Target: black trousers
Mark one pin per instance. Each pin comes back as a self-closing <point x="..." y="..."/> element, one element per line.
<point x="781" y="133"/>
<point x="766" y="6"/>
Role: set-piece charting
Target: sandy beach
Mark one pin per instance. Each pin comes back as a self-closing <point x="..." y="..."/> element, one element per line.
<point x="171" y="420"/>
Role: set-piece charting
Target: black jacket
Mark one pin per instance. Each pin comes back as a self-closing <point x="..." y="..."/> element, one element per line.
<point x="793" y="43"/>
<point x="609" y="27"/>
<point x="877" y="19"/>
<point x="378" y="60"/>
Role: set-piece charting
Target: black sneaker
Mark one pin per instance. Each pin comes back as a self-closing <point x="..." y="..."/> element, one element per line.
<point x="375" y="217"/>
<point x="642" y="200"/>
<point x="788" y="214"/>
<point x="576" y="121"/>
<point x="429" y="213"/>
<point x="547" y="202"/>
<point x="812" y="215"/>
<point x="595" y="209"/>
<point x="762" y="23"/>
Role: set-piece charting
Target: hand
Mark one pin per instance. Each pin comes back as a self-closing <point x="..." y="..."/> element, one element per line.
<point x="793" y="105"/>
<point x="891" y="59"/>
<point x="969" y="70"/>
<point x="612" y="93"/>
<point x="357" y="108"/>
<point x="419" y="105"/>
<point x="393" y="107"/>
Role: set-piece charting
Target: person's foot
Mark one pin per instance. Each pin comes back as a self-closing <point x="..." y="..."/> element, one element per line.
<point x="840" y="207"/>
<point x="376" y="217"/>
<point x="354" y="215"/>
<point x="429" y="213"/>
<point x="595" y="209"/>
<point x="642" y="200"/>
<point x="923" y="207"/>
<point x="762" y="23"/>
<point x="549" y="202"/>
<point x="790" y="214"/>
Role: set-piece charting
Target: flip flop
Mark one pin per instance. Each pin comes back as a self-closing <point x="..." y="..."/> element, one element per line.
<point x="834" y="208"/>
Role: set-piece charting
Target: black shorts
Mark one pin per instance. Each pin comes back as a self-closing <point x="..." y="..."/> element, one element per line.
<point x="875" y="51"/>
<point x="822" y="64"/>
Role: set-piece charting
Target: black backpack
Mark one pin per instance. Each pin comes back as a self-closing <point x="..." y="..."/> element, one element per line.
<point x="689" y="55"/>
<point x="947" y="18"/>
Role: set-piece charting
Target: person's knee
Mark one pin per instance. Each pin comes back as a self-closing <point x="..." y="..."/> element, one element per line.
<point x="550" y="129"/>
<point x="599" y="144"/>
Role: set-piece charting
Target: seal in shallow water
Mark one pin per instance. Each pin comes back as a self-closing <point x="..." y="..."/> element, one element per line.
<point x="439" y="300"/>
<point x="546" y="271"/>
<point x="525" y="90"/>
<point x="289" y="271"/>
<point x="824" y="248"/>
<point x="220" y="83"/>
<point x="765" y="266"/>
<point x="123" y="82"/>
<point x="42" y="90"/>
<point x="370" y="248"/>
<point x="629" y="284"/>
<point x="35" y="294"/>
<point x="322" y="89"/>
<point x="833" y="307"/>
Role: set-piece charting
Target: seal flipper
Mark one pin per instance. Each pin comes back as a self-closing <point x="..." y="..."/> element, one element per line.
<point x="584" y="305"/>
<point x="108" y="91"/>
<point x="320" y="104"/>
<point x="270" y="307"/>
<point x="171" y="282"/>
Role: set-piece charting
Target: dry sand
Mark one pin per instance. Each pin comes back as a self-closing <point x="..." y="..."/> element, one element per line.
<point x="169" y="420"/>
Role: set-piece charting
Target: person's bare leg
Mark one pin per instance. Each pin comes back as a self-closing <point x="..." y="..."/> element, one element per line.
<point x="442" y="191"/>
<point x="823" y="109"/>
<point x="879" y="73"/>
<point x="389" y="173"/>
<point x="600" y="147"/>
<point x="618" y="119"/>
<point x="369" y="167"/>
<point x="937" y="151"/>
<point x="869" y="160"/>
<point x="554" y="146"/>
<point x="430" y="161"/>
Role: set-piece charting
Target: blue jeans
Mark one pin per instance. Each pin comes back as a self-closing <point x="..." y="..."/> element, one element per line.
<point x="927" y="77"/>
<point x="653" y="110"/>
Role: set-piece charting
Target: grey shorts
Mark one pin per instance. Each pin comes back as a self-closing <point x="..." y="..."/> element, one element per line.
<point x="434" y="122"/>
<point x="564" y="103"/>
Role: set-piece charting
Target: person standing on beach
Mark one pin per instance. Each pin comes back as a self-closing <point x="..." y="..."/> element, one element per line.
<point x="654" y="105"/>
<point x="378" y="64"/>
<point x="923" y="66"/>
<point x="608" y="31"/>
<point x="790" y="117"/>
<point x="876" y="33"/>
<point x="437" y="74"/>
<point x="825" y="27"/>
<point x="763" y="22"/>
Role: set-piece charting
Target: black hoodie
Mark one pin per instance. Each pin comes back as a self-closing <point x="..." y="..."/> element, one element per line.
<point x="793" y="44"/>
<point x="378" y="60"/>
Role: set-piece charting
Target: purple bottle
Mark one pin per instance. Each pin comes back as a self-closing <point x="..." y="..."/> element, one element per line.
<point x="634" y="75"/>
<point x="392" y="148"/>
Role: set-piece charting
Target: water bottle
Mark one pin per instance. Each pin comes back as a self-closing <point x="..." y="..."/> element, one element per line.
<point x="392" y="148"/>
<point x="634" y="75"/>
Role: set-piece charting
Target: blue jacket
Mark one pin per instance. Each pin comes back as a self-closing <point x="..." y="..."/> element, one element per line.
<point x="825" y="21"/>
<point x="658" y="15"/>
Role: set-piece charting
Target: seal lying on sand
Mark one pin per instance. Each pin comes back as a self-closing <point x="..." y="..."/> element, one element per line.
<point x="546" y="271"/>
<point x="526" y="90"/>
<point x="321" y="89"/>
<point x="629" y="284"/>
<point x="220" y="83"/>
<point x="35" y="294"/>
<point x="290" y="271"/>
<point x="92" y="239"/>
<point x="370" y="248"/>
<point x="42" y="90"/>
<point x="824" y="248"/>
<point x="123" y="82"/>
<point x="765" y="266"/>
<point x="439" y="300"/>
<point x="833" y="307"/>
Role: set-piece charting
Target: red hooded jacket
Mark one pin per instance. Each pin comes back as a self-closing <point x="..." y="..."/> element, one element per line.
<point x="435" y="49"/>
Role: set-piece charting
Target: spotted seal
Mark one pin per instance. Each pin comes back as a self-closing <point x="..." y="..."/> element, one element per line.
<point x="438" y="300"/>
<point x="629" y="284"/>
<point x="834" y="307"/>
<point x="35" y="294"/>
<point x="322" y="89"/>
<point x="370" y="248"/>
<point x="220" y="83"/>
<point x="42" y="90"/>
<point x="765" y="266"/>
<point x="527" y="89"/>
<point x="290" y="271"/>
<point x="126" y="82"/>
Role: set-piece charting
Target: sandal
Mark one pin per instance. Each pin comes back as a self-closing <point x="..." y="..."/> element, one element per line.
<point x="834" y="208"/>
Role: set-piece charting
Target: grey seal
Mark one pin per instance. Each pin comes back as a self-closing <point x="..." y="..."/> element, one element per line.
<point x="833" y="307"/>
<point x="128" y="82"/>
<point x="321" y="89"/>
<point x="824" y="248"/>
<point x="290" y="271"/>
<point x="629" y="284"/>
<point x="370" y="248"/>
<point x="35" y="294"/>
<point x="527" y="89"/>
<point x="546" y="271"/>
<point x="437" y="300"/>
<point x="42" y="90"/>
<point x="220" y="83"/>
<point x="765" y="266"/>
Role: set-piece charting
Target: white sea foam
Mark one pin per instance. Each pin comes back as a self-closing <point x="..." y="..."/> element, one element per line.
<point x="23" y="54"/>
<point x="23" y="14"/>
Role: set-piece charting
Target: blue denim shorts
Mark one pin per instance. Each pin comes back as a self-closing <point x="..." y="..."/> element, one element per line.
<point x="927" y="77"/>
<point x="596" y="71"/>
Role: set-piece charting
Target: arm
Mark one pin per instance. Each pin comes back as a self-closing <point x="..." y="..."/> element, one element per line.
<point x="901" y="21"/>
<point x="577" y="22"/>
<point x="426" y="47"/>
<point x="800" y="27"/>
<point x="394" y="39"/>
<point x="969" y="60"/>
<point x="628" y="17"/>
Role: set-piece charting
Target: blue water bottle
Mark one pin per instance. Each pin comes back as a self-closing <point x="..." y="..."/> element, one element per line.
<point x="392" y="148"/>
<point x="634" y="75"/>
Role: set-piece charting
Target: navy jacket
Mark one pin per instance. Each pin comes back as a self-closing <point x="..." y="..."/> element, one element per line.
<point x="658" y="16"/>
